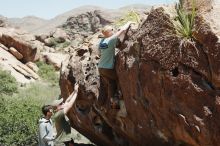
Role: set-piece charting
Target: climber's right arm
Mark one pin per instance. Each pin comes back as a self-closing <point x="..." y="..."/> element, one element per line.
<point x="70" y="100"/>
<point x="122" y="30"/>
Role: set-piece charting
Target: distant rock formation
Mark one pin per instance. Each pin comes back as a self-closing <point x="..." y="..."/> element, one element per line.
<point x="89" y="22"/>
<point x="19" y="51"/>
<point x="18" y="48"/>
<point x="21" y="72"/>
<point x="24" y="43"/>
<point x="40" y="26"/>
<point x="3" y="21"/>
<point x="169" y="88"/>
<point x="81" y="26"/>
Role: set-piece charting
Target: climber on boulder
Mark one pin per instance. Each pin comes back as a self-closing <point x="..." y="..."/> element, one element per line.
<point x="63" y="127"/>
<point x="106" y="64"/>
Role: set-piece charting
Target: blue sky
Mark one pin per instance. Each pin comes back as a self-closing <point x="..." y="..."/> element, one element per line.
<point x="50" y="8"/>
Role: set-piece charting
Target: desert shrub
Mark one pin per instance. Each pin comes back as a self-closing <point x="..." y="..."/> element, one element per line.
<point x="129" y="16"/>
<point x="20" y="114"/>
<point x="53" y="42"/>
<point x="63" y="45"/>
<point x="8" y="83"/>
<point x="56" y="43"/>
<point x="47" y="72"/>
<point x="66" y="44"/>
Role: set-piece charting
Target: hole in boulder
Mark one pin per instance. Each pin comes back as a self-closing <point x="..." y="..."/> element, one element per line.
<point x="96" y="58"/>
<point x="81" y="52"/>
<point x="94" y="83"/>
<point x="27" y="77"/>
<point x="87" y="77"/>
<point x="175" y="72"/>
<point x="88" y="69"/>
<point x="90" y="51"/>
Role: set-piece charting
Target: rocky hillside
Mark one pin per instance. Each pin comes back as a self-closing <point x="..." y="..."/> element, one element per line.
<point x="38" y="26"/>
<point x="29" y="23"/>
<point x="54" y="45"/>
<point x="2" y="21"/>
<point x="20" y="50"/>
<point x="169" y="87"/>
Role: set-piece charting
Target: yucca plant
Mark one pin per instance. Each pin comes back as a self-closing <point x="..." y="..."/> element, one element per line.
<point x="185" y="20"/>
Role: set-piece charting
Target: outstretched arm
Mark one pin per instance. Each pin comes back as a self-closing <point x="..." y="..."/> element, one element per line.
<point x="71" y="99"/>
<point x="122" y="30"/>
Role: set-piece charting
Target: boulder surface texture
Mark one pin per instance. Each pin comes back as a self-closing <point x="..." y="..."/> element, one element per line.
<point x="169" y="88"/>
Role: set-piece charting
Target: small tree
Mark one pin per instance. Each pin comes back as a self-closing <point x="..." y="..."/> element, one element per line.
<point x="8" y="83"/>
<point x="47" y="72"/>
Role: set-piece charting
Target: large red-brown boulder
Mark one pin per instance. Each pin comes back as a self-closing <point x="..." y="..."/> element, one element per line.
<point x="169" y="88"/>
<point x="23" y="42"/>
<point x="168" y="82"/>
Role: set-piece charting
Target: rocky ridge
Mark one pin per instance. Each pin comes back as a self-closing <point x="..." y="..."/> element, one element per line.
<point x="40" y="26"/>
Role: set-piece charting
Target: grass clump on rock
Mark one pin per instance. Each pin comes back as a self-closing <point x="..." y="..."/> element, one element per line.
<point x="184" y="21"/>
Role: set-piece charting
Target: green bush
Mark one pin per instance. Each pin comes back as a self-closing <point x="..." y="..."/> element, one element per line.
<point x="21" y="109"/>
<point x="129" y="16"/>
<point x="20" y="114"/>
<point x="184" y="20"/>
<point x="66" y="44"/>
<point x="56" y="43"/>
<point x="8" y="83"/>
<point x="47" y="72"/>
<point x="63" y="45"/>
<point x="53" y="42"/>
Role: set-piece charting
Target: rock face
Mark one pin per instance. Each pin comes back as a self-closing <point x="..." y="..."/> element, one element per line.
<point x="84" y="25"/>
<point x="201" y="5"/>
<point x="18" y="51"/>
<point x="3" y="22"/>
<point x="54" y="59"/>
<point x="88" y="22"/>
<point x="22" y="42"/>
<point x="209" y="9"/>
<point x="22" y="73"/>
<point x="169" y="88"/>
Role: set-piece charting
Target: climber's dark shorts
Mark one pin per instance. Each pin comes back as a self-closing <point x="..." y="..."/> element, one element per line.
<point x="110" y="78"/>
